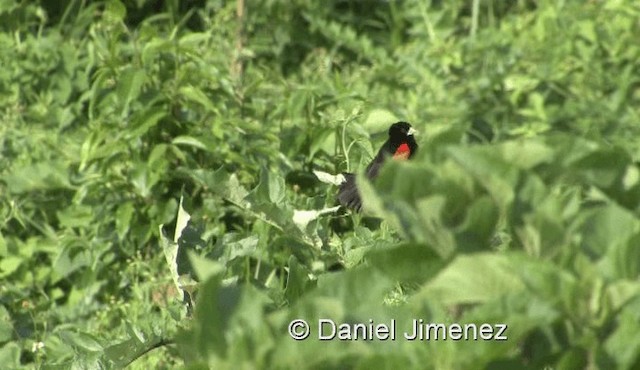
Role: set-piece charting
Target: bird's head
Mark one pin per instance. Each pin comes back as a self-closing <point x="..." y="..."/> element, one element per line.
<point x="402" y="140"/>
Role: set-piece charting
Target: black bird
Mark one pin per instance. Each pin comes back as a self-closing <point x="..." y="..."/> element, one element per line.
<point x="400" y="145"/>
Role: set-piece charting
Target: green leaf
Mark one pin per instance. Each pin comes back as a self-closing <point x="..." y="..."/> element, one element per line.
<point x="115" y="10"/>
<point x="124" y="215"/>
<point x="83" y="341"/>
<point x="10" y="356"/>
<point x="298" y="281"/>
<point x="204" y="267"/>
<point x="71" y="259"/>
<point x="8" y="265"/>
<point x="214" y="310"/>
<point x="431" y="228"/>
<point x="6" y="326"/>
<point x="194" y="94"/>
<point x="143" y="122"/>
<point x="489" y="169"/>
<point x="270" y="192"/>
<point x="76" y="216"/>
<point x="526" y="154"/>
<point x="406" y="262"/>
<point x="190" y="141"/>
<point x="623" y="259"/>
<point x="607" y="227"/>
<point x="479" y="226"/>
<point x="379" y="120"/>
<point x="603" y="168"/>
<point x="623" y="345"/>
<point x="473" y="278"/>
<point x="129" y="86"/>
<point x="123" y="353"/>
<point x="39" y="176"/>
<point x="371" y="202"/>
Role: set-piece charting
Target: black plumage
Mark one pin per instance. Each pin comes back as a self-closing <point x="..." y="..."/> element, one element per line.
<point x="401" y="144"/>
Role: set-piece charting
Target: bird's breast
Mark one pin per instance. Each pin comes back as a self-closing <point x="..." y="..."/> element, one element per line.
<point x="402" y="152"/>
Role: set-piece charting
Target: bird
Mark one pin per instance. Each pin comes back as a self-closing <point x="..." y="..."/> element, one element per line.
<point x="400" y="145"/>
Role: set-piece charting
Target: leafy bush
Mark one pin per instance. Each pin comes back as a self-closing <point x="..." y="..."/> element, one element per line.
<point x="521" y="207"/>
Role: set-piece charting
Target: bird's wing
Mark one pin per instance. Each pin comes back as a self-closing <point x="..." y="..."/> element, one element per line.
<point x="348" y="195"/>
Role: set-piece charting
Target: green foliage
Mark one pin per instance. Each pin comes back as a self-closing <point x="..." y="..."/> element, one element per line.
<point x="126" y="122"/>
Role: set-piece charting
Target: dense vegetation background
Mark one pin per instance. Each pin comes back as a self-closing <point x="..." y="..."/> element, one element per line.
<point x="521" y="208"/>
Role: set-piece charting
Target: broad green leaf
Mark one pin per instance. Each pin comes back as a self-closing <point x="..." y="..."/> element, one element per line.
<point x="10" y="264"/>
<point x="234" y="191"/>
<point x="407" y="262"/>
<point x="479" y="226"/>
<point x="491" y="170"/>
<point x="357" y="293"/>
<point x="83" y="341"/>
<point x="39" y="176"/>
<point x="129" y="86"/>
<point x="6" y="326"/>
<point x="621" y="293"/>
<point x="10" y="356"/>
<point x="298" y="281"/>
<point x="124" y="215"/>
<point x="134" y="348"/>
<point x="70" y="260"/>
<point x="276" y="189"/>
<point x="371" y="202"/>
<point x="608" y="227"/>
<point x="270" y="190"/>
<point x="379" y="120"/>
<point x="116" y="10"/>
<point x="622" y="259"/>
<point x="526" y="154"/>
<point x="76" y="216"/>
<point x="214" y="311"/>
<point x="623" y="345"/>
<point x="434" y="233"/>
<point x="154" y="48"/>
<point x="205" y="268"/>
<point x="473" y="278"/>
<point x="324" y="140"/>
<point x="603" y="168"/>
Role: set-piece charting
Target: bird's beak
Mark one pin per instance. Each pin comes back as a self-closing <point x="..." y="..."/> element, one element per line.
<point x="412" y="131"/>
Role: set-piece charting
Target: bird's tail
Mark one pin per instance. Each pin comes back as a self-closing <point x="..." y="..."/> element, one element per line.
<point x="348" y="194"/>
